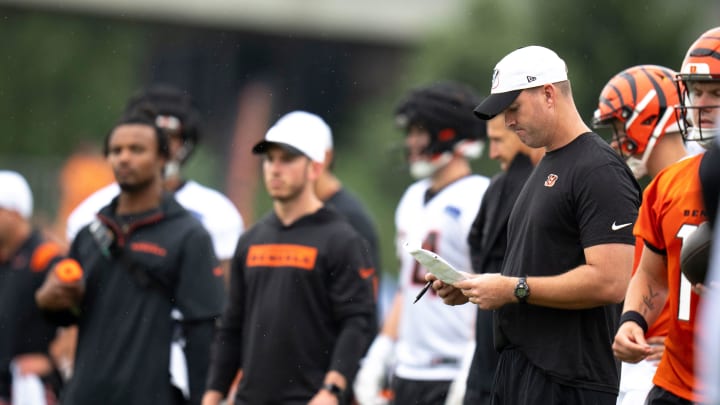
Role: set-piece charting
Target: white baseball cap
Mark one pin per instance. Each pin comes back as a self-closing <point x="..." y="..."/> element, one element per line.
<point x="524" y="68"/>
<point x="15" y="194"/>
<point x="299" y="132"/>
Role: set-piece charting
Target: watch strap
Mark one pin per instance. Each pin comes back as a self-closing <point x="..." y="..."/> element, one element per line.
<point x="333" y="388"/>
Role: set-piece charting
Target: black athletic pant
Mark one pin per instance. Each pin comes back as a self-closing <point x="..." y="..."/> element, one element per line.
<point x="482" y="369"/>
<point x="660" y="396"/>
<point x="518" y="382"/>
<point x="412" y="392"/>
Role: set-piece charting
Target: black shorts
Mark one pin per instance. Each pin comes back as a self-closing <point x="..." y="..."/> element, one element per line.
<point x="519" y="382"/>
<point x="414" y="392"/>
<point x="660" y="396"/>
<point x="482" y="369"/>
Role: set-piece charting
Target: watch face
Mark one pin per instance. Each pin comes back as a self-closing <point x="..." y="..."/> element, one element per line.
<point x="522" y="290"/>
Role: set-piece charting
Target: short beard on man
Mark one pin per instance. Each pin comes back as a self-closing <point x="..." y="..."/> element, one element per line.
<point x="136" y="187"/>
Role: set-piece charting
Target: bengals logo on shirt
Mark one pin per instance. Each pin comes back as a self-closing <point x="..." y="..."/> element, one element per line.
<point x="282" y="255"/>
<point x="148" y="247"/>
<point x="551" y="179"/>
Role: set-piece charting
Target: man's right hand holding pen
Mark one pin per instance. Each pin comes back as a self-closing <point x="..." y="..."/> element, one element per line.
<point x="449" y="294"/>
<point x="487" y="291"/>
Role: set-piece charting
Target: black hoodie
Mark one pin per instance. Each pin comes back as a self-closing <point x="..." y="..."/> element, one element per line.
<point x="154" y="262"/>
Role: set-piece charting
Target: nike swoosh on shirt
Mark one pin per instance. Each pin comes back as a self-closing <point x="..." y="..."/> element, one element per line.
<point x="618" y="227"/>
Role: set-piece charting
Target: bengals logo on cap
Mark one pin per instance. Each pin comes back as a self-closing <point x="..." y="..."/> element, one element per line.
<point x="495" y="80"/>
<point x="551" y="179"/>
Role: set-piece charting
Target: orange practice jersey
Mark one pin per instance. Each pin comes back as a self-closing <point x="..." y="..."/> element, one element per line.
<point x="672" y="208"/>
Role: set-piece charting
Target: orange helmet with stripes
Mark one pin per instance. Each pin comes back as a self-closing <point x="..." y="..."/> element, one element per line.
<point x="701" y="64"/>
<point x="639" y="104"/>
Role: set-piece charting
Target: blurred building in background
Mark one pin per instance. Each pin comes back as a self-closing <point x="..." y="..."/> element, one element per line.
<point x="245" y="62"/>
<point x="68" y="66"/>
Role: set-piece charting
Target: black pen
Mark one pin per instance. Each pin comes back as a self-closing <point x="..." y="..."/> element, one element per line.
<point x="423" y="291"/>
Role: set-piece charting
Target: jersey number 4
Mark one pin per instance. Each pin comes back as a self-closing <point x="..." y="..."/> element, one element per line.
<point x="430" y="243"/>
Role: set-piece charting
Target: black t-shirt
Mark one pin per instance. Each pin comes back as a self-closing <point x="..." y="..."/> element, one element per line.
<point x="125" y="327"/>
<point x="23" y="329"/>
<point x="352" y="209"/>
<point x="488" y="233"/>
<point x="301" y="304"/>
<point x="570" y="202"/>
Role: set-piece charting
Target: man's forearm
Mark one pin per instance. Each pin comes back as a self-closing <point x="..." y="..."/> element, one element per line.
<point x="646" y="297"/>
<point x="198" y="337"/>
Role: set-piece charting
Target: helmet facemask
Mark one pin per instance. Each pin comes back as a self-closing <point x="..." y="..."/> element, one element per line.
<point x="172" y="126"/>
<point x="638" y="103"/>
<point x="691" y="116"/>
<point x="432" y="162"/>
<point x="700" y="77"/>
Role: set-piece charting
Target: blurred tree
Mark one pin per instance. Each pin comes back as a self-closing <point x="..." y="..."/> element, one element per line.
<point x="596" y="38"/>
<point x="599" y="39"/>
<point x="62" y="80"/>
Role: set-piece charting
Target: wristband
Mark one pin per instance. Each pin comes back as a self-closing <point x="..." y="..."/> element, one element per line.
<point x="634" y="316"/>
<point x="334" y="389"/>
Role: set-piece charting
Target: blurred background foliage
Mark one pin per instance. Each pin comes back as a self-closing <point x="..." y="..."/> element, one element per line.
<point x="65" y="77"/>
<point x="596" y="39"/>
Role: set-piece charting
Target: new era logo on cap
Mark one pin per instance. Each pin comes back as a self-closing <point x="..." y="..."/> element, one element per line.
<point x="495" y="78"/>
<point x="531" y="79"/>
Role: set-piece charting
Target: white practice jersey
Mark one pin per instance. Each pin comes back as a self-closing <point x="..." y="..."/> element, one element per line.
<point x="218" y="215"/>
<point x="433" y="337"/>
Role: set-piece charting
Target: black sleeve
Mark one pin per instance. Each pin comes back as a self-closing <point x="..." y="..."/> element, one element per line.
<point x="361" y="222"/>
<point x="38" y="331"/>
<point x="353" y="300"/>
<point x="613" y="195"/>
<point x="474" y="239"/>
<point x="200" y="293"/>
<point x="60" y="318"/>
<point x="198" y="338"/>
<point x="226" y="352"/>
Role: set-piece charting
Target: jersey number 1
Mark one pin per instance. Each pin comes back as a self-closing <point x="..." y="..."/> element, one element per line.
<point x="684" y="300"/>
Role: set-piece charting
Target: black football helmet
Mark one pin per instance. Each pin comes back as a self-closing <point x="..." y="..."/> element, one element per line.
<point x="445" y="110"/>
<point x="176" y="114"/>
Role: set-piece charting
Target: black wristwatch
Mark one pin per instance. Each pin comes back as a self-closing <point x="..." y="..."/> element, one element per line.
<point x="334" y="389"/>
<point x="522" y="290"/>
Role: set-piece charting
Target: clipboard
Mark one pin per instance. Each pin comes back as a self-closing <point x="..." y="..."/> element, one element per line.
<point x="435" y="264"/>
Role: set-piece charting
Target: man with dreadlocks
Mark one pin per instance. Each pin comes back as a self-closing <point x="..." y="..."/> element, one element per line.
<point x="428" y="338"/>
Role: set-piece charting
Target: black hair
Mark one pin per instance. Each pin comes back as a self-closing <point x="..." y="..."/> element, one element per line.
<point x="143" y="114"/>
